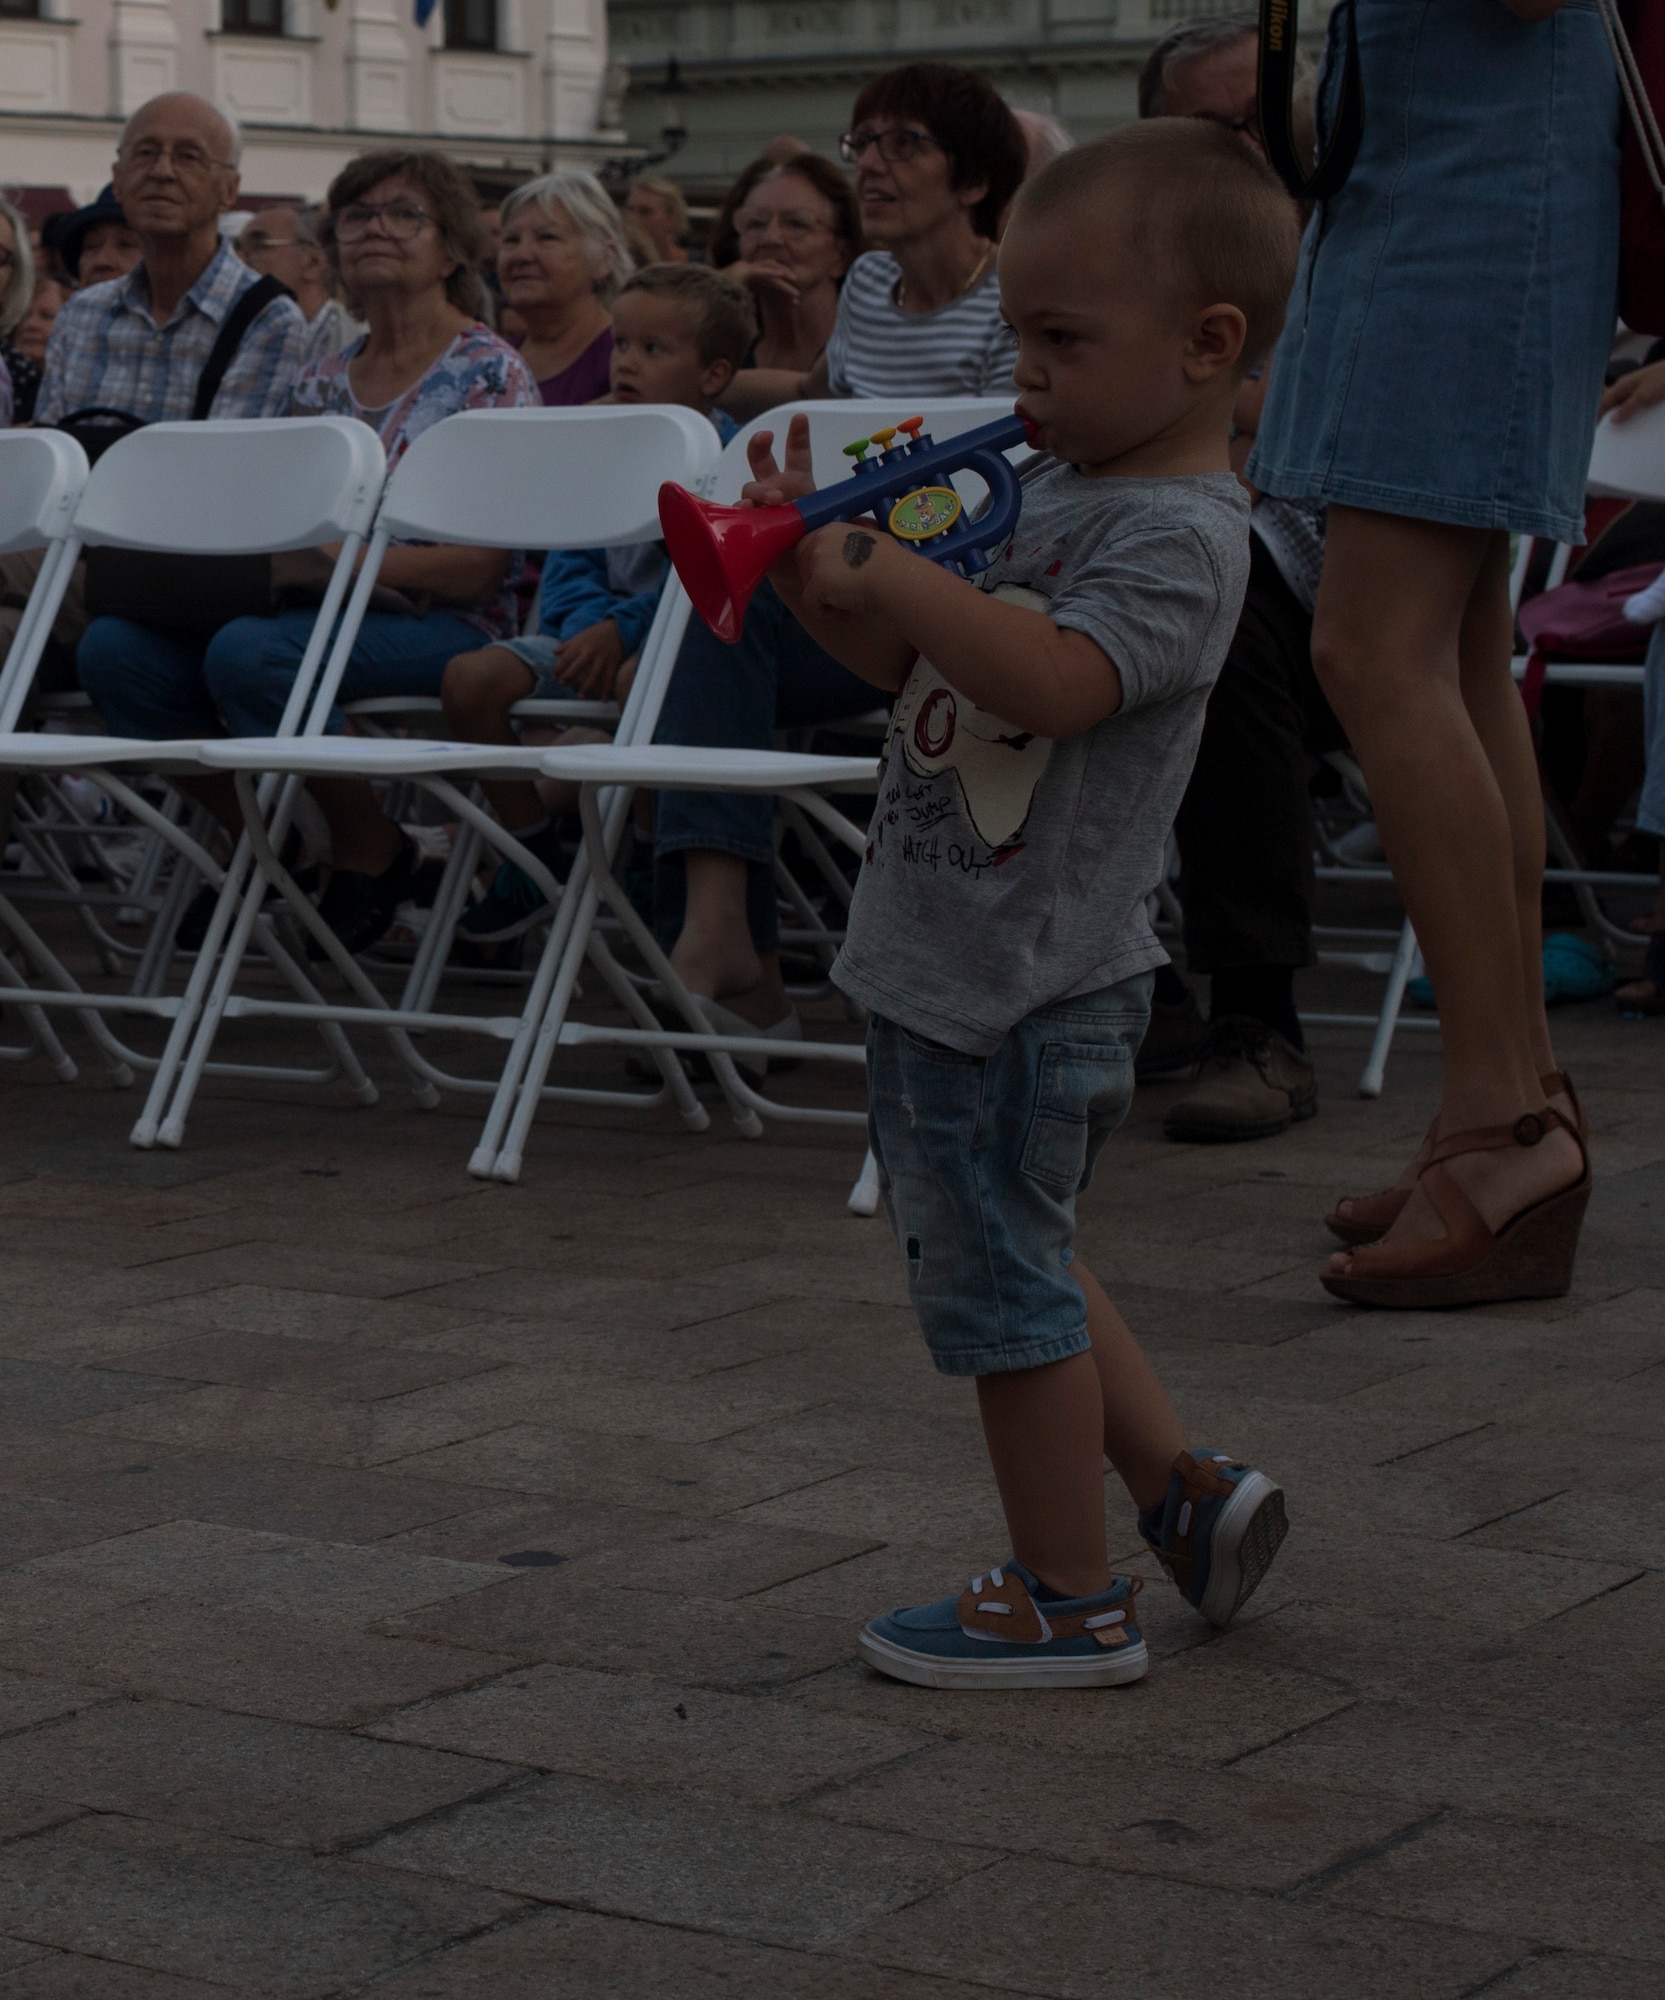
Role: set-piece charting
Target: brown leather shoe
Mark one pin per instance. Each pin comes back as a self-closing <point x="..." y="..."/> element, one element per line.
<point x="1253" y="1085"/>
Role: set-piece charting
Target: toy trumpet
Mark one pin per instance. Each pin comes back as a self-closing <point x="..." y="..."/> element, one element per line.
<point x="723" y="553"/>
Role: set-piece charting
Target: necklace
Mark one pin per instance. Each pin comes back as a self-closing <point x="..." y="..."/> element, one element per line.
<point x="981" y="266"/>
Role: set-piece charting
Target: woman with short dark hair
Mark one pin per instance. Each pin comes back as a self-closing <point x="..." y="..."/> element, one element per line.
<point x="937" y="155"/>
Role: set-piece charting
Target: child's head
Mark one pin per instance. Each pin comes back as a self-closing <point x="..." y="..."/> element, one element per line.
<point x="1145" y="274"/>
<point x="679" y="333"/>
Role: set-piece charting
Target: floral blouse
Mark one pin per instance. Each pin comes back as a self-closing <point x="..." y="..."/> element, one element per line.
<point x="476" y="372"/>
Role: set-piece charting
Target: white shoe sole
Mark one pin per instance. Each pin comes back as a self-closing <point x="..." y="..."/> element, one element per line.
<point x="1247" y="1535"/>
<point x="1131" y="1663"/>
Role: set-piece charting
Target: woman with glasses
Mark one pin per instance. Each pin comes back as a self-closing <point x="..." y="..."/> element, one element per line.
<point x="403" y="229"/>
<point x="789" y="232"/>
<point x="936" y="155"/>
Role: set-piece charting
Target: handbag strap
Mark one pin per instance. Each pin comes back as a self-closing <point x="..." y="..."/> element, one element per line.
<point x="1305" y="180"/>
<point x="236" y="323"/>
<point x="1636" y="97"/>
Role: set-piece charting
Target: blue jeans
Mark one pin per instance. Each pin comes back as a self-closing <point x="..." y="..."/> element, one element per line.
<point x="980" y="1160"/>
<point x="735" y="698"/>
<point x="155" y="685"/>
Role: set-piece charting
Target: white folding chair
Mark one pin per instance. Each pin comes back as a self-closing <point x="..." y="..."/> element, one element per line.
<point x="501" y="478"/>
<point x="502" y="1148"/>
<point x="212" y="488"/>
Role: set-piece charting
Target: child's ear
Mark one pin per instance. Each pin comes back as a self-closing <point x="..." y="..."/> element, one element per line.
<point x="1214" y="342"/>
<point x="715" y="378"/>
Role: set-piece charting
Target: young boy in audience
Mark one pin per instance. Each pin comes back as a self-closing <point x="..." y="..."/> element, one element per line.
<point x="1046" y="721"/>
<point x="679" y="333"/>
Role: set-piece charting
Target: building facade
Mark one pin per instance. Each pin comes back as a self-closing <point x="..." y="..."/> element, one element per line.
<point x="509" y="87"/>
<point x="753" y="70"/>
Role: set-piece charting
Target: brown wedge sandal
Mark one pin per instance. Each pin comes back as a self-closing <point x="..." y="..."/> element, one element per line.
<point x="1373" y="1215"/>
<point x="1531" y="1257"/>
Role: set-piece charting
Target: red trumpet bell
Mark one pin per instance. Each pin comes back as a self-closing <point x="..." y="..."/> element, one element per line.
<point x="723" y="553"/>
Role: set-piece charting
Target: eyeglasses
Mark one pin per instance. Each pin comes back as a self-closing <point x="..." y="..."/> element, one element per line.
<point x="1246" y="127"/>
<point x="148" y="154"/>
<point x="895" y="144"/>
<point x="797" y="225"/>
<point x="402" y="221"/>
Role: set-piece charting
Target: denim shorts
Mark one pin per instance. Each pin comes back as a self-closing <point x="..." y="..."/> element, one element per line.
<point x="540" y="652"/>
<point x="980" y="1161"/>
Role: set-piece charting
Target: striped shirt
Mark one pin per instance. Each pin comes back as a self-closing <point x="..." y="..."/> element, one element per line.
<point x="962" y="349"/>
<point x="106" y="350"/>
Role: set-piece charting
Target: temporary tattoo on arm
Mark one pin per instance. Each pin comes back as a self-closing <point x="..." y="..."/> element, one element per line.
<point x="857" y="548"/>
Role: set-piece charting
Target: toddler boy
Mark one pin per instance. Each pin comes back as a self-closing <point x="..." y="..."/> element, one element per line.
<point x="679" y="333"/>
<point x="1046" y="723"/>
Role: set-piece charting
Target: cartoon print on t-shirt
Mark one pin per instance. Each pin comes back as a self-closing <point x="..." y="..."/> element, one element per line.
<point x="994" y="766"/>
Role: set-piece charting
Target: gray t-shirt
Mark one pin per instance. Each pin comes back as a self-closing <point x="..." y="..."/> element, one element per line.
<point x="1006" y="871"/>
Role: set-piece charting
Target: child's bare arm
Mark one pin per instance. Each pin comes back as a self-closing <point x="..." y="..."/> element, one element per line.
<point x="867" y="643"/>
<point x="1011" y="661"/>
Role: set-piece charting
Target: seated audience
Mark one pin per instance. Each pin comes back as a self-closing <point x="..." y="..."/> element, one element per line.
<point x="660" y="211"/>
<point x="404" y="230"/>
<point x="283" y="243"/>
<point x="17" y="285"/>
<point x="562" y="256"/>
<point x="789" y="233"/>
<point x="98" y="243"/>
<point x="937" y="157"/>
<point x="679" y="332"/>
<point x="137" y="340"/>
<point x="24" y="349"/>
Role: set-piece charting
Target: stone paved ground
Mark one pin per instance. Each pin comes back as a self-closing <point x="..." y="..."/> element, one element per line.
<point x="417" y="1588"/>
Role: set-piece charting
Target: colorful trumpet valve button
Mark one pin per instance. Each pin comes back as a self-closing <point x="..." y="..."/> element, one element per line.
<point x="912" y="426"/>
<point x="882" y="439"/>
<point x="858" y="450"/>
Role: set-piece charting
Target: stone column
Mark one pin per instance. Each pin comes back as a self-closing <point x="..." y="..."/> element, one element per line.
<point x="144" y="54"/>
<point x="378" y="67"/>
<point x="574" y="67"/>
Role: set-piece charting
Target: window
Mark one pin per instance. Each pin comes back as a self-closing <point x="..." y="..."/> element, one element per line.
<point x="471" y="24"/>
<point x="20" y="10"/>
<point x="252" y="17"/>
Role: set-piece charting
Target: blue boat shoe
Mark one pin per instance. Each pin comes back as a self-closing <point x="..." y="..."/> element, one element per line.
<point x="1216" y="1531"/>
<point x="998" y="1634"/>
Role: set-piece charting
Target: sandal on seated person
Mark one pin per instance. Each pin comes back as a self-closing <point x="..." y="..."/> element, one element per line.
<point x="1367" y="1218"/>
<point x="1530" y="1257"/>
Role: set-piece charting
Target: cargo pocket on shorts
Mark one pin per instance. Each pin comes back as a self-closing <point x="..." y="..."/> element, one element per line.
<point x="1081" y="1093"/>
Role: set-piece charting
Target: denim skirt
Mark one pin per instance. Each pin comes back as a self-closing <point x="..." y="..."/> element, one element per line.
<point x="1455" y="302"/>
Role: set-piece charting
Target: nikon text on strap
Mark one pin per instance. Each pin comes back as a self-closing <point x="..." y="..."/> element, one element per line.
<point x="1304" y="179"/>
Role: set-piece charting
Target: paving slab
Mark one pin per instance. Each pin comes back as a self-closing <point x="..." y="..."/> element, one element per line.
<point x="63" y="1975"/>
<point x="210" y="1909"/>
<point x="274" y="1782"/>
<point x="769" y="1877"/>
<point x="1109" y="1935"/>
<point x="652" y="1732"/>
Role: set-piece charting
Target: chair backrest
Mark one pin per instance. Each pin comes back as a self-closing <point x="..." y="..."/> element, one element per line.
<point x="548" y="479"/>
<point x="41" y="477"/>
<point x="834" y="424"/>
<point x="236" y="488"/>
<point x="1627" y="460"/>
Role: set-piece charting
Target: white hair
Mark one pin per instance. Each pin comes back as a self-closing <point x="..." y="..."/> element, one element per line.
<point x="594" y="215"/>
<point x="234" y="131"/>
<point x="20" y="286"/>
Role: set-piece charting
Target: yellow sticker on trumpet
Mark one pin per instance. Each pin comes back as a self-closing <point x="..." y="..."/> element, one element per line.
<point x="928" y="511"/>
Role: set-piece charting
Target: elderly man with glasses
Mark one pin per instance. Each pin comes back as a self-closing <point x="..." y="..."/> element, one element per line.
<point x="139" y="343"/>
<point x="282" y="242"/>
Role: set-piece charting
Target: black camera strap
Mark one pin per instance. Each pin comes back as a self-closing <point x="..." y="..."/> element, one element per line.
<point x="1304" y="179"/>
<point x="248" y="308"/>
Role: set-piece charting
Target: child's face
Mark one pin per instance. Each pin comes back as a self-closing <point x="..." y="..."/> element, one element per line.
<point x="656" y="356"/>
<point x="1115" y="376"/>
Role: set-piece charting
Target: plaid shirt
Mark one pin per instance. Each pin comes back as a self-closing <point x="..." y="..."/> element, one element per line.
<point x="107" y="350"/>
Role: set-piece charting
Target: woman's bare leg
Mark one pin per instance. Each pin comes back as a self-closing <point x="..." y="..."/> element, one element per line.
<point x="1394" y="608"/>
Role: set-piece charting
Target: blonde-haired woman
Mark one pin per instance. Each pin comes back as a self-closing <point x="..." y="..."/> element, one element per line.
<point x="656" y="205"/>
<point x="17" y="288"/>
<point x="561" y="259"/>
